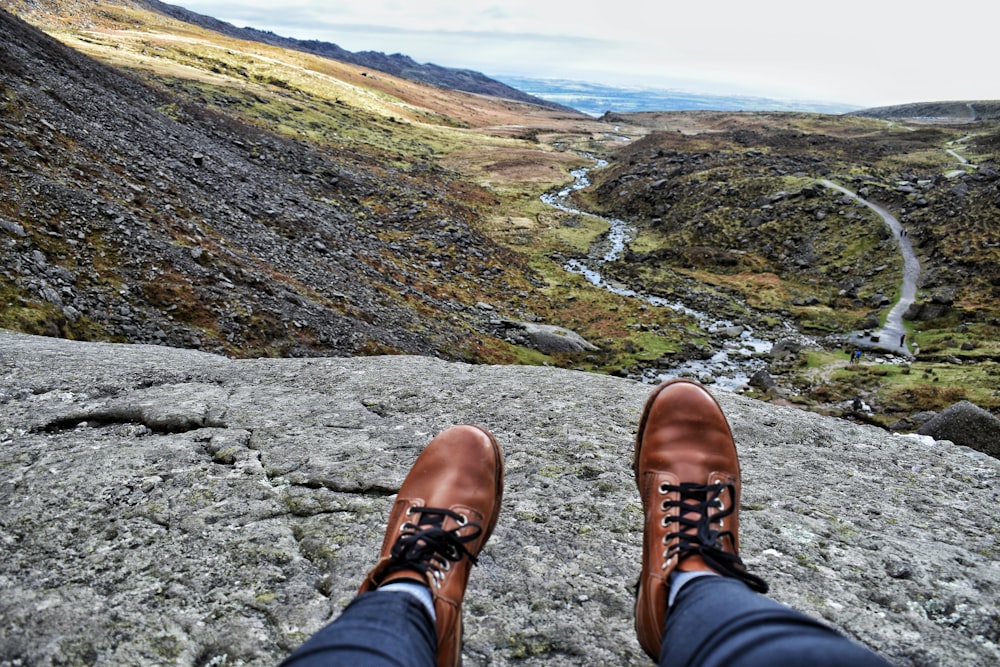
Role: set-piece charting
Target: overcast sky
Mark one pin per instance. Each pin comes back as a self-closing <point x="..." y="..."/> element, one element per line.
<point x="861" y="52"/>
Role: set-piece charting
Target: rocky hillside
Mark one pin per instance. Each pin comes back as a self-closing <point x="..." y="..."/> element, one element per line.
<point x="167" y="506"/>
<point x="132" y="214"/>
<point x="744" y="198"/>
<point x="396" y="64"/>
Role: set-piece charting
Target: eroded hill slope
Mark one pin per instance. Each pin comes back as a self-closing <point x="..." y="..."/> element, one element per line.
<point x="132" y="214"/>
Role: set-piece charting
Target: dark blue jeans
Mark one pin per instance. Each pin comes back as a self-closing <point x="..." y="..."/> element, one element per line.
<point x="718" y="621"/>
<point x="376" y="629"/>
<point x="714" y="621"/>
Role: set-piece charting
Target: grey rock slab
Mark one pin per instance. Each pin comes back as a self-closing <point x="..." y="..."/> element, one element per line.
<point x="165" y="506"/>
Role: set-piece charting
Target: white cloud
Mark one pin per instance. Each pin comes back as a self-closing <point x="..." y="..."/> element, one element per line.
<point x="865" y="52"/>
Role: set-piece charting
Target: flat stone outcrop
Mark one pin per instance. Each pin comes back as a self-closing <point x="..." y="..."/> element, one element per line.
<point x="166" y="506"/>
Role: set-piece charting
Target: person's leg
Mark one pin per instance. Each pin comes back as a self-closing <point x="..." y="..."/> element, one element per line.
<point x="696" y="604"/>
<point x="378" y="629"/>
<point x="411" y="600"/>
<point x="719" y="622"/>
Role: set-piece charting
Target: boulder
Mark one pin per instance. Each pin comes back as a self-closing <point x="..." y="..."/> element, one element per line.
<point x="923" y="417"/>
<point x="551" y="339"/>
<point x="734" y="331"/>
<point x="12" y="228"/>
<point x="786" y="348"/>
<point x="693" y="352"/>
<point x="943" y="297"/>
<point x="965" y="423"/>
<point x="926" y="311"/>
<point x="762" y="380"/>
<point x="870" y="322"/>
<point x="879" y="301"/>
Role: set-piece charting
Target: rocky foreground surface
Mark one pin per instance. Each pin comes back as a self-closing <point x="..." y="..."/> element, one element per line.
<point x="166" y="506"/>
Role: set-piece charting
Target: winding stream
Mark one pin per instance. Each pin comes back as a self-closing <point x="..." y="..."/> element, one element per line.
<point x="741" y="354"/>
<point x="730" y="367"/>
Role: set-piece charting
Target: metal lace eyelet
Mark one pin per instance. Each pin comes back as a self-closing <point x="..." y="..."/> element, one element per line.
<point x="664" y="488"/>
<point x="665" y="505"/>
<point x="462" y="519"/>
<point x="665" y="521"/>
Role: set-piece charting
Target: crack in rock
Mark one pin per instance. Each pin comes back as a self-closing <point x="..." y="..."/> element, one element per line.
<point x="159" y="423"/>
<point x="164" y="409"/>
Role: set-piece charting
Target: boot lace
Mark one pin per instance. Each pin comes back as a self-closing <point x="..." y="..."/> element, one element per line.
<point x="424" y="545"/>
<point x="701" y="533"/>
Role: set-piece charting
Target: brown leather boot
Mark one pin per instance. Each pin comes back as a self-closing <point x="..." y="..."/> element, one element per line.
<point x="443" y="515"/>
<point x="688" y="476"/>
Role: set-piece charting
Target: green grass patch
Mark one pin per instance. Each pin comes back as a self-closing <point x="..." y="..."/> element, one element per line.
<point x="818" y="359"/>
<point x="937" y="385"/>
<point x="22" y="312"/>
<point x="972" y="342"/>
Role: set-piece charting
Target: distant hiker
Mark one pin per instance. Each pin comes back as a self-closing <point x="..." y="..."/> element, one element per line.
<point x="902" y="339"/>
<point x="856" y="357"/>
<point x="696" y="603"/>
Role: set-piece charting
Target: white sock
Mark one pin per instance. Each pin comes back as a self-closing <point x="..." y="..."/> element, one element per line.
<point x="678" y="579"/>
<point x="419" y="591"/>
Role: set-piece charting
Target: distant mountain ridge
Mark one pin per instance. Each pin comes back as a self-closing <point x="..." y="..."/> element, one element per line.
<point x="397" y="64"/>
<point x="958" y="110"/>
<point x="596" y="99"/>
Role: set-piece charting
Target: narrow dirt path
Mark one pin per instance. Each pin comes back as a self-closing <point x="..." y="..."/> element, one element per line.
<point x="892" y="335"/>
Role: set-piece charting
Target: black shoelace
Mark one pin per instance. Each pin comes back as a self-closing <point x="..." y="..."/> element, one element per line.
<point x="697" y="533"/>
<point x="424" y="545"/>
